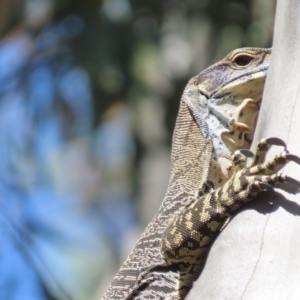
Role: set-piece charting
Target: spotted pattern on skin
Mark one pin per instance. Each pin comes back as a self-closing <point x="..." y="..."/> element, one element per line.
<point x="217" y="115"/>
<point x="243" y="186"/>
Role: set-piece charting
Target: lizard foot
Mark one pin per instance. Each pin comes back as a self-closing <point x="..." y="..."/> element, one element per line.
<point x="258" y="175"/>
<point x="239" y="157"/>
<point x="190" y="234"/>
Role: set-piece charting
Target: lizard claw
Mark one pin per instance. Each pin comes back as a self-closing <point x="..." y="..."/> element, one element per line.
<point x="292" y="181"/>
<point x="266" y="187"/>
<point x="291" y="185"/>
<point x="294" y="158"/>
<point x="247" y="153"/>
<point x="276" y="142"/>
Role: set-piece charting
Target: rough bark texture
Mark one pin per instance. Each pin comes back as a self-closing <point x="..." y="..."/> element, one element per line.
<point x="257" y="254"/>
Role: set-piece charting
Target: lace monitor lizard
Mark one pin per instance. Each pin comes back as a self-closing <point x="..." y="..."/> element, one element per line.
<point x="210" y="178"/>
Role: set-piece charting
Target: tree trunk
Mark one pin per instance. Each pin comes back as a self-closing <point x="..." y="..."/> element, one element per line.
<point x="257" y="256"/>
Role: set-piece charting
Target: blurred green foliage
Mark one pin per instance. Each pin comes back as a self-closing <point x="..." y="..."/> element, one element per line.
<point x="123" y="40"/>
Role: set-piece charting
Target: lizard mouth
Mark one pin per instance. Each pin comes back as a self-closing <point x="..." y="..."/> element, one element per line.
<point x="222" y="88"/>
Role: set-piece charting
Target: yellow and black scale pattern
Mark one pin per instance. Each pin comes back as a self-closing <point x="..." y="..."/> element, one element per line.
<point x="209" y="178"/>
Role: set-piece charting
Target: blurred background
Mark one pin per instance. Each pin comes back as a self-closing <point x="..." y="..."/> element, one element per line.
<point x="89" y="93"/>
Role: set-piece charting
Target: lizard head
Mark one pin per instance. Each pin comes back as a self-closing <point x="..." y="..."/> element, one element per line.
<point x="234" y="72"/>
<point x="225" y="99"/>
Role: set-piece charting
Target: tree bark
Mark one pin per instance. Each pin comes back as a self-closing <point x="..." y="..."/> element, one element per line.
<point x="257" y="254"/>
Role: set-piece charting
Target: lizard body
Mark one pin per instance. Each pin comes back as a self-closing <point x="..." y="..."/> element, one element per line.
<point x="217" y="116"/>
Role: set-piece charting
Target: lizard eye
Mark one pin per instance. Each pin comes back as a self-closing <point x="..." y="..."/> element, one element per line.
<point x="242" y="60"/>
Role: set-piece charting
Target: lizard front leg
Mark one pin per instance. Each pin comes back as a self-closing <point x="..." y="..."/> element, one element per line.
<point x="189" y="236"/>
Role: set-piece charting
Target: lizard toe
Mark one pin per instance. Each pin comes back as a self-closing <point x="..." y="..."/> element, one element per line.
<point x="273" y="165"/>
<point x="262" y="149"/>
<point x="239" y="160"/>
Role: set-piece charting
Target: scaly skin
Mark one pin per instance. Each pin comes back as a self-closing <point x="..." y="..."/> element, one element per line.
<point x="217" y="117"/>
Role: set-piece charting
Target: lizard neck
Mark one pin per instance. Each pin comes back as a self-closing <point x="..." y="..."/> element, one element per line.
<point x="209" y="129"/>
<point x="227" y="121"/>
<point x="191" y="154"/>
